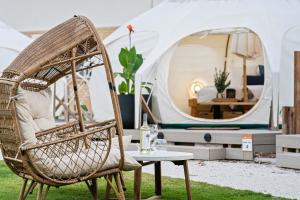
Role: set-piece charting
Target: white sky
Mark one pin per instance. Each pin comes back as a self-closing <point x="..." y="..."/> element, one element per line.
<point x="39" y="15"/>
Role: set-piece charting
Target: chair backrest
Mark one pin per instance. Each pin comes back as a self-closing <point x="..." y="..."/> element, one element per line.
<point x="9" y="131"/>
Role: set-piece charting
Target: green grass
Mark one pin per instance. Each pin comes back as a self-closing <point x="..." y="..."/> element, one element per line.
<point x="173" y="189"/>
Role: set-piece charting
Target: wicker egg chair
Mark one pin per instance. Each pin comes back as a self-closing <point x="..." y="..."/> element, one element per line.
<point x="68" y="153"/>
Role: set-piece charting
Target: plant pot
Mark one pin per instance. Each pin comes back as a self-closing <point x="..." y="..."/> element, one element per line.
<point x="127" y="110"/>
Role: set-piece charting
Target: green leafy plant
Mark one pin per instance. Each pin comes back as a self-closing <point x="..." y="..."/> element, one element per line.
<point x="220" y="78"/>
<point x="131" y="62"/>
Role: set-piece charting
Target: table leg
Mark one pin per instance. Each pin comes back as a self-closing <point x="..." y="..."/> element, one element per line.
<point x="157" y="168"/>
<point x="137" y="183"/>
<point x="217" y="111"/>
<point x="187" y="180"/>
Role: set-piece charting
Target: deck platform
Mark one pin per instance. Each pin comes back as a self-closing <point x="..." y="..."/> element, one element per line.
<point x="224" y="144"/>
<point x="288" y="151"/>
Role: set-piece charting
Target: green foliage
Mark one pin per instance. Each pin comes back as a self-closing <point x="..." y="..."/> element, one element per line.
<point x="131" y="62"/>
<point x="172" y="189"/>
<point x="84" y="107"/>
<point x="221" y="82"/>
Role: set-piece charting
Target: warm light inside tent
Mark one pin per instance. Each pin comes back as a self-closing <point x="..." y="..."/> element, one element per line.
<point x="196" y="86"/>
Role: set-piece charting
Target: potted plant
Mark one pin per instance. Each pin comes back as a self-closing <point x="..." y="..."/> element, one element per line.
<point x="221" y="83"/>
<point x="130" y="61"/>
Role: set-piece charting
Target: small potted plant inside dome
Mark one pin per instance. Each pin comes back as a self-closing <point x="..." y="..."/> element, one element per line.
<point x="130" y="61"/>
<point x="221" y="83"/>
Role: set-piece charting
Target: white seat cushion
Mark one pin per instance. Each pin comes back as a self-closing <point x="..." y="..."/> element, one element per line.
<point x="82" y="163"/>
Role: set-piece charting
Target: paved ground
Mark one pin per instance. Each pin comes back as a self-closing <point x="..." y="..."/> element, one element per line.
<point x="265" y="178"/>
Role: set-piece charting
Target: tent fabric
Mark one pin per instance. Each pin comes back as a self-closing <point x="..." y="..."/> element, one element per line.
<point x="173" y="20"/>
<point x="11" y="43"/>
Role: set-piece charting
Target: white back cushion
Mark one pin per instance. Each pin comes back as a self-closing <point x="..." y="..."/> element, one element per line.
<point x="33" y="112"/>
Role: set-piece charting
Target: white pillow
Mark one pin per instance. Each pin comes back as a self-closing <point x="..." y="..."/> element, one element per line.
<point x="27" y="125"/>
<point x="39" y="102"/>
<point x="207" y="94"/>
<point x="33" y="112"/>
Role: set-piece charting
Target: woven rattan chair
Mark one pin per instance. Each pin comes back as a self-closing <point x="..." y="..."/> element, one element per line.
<point x="64" y="50"/>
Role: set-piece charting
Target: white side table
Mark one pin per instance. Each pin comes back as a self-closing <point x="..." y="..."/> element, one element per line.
<point x="155" y="157"/>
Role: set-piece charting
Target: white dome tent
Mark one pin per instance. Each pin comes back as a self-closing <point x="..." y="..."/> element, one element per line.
<point x="174" y="20"/>
<point x="11" y="43"/>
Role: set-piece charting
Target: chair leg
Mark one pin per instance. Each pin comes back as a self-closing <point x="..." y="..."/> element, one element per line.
<point x="32" y="186"/>
<point x="108" y="187"/>
<point x="46" y="192"/>
<point x="121" y="195"/>
<point x="22" y="192"/>
<point x="40" y="192"/>
<point x="30" y="189"/>
<point x="122" y="181"/>
<point x="93" y="188"/>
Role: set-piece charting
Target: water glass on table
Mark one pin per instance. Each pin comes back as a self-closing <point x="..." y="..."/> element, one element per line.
<point x="153" y="136"/>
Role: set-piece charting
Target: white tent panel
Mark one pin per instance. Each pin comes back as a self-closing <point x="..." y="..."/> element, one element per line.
<point x="6" y="56"/>
<point x="12" y="39"/>
<point x="291" y="43"/>
<point x="11" y="43"/>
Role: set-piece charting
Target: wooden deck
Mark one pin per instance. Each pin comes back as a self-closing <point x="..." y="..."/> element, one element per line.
<point x="224" y="144"/>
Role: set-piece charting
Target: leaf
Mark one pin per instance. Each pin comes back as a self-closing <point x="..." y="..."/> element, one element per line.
<point x="123" y="87"/>
<point x="84" y="107"/>
<point x="132" y="91"/>
<point x="132" y="56"/>
<point x="124" y="57"/>
<point x="116" y="74"/>
<point x="138" y="62"/>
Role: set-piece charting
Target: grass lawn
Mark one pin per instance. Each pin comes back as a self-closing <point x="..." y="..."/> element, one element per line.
<point x="173" y="189"/>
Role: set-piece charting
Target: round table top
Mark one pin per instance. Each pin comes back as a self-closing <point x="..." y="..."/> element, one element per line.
<point x="160" y="155"/>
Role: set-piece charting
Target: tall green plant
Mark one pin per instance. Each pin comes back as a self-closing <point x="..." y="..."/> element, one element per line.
<point x="221" y="82"/>
<point x="131" y="62"/>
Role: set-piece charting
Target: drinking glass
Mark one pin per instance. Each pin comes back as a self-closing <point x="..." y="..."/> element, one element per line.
<point x="153" y="135"/>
